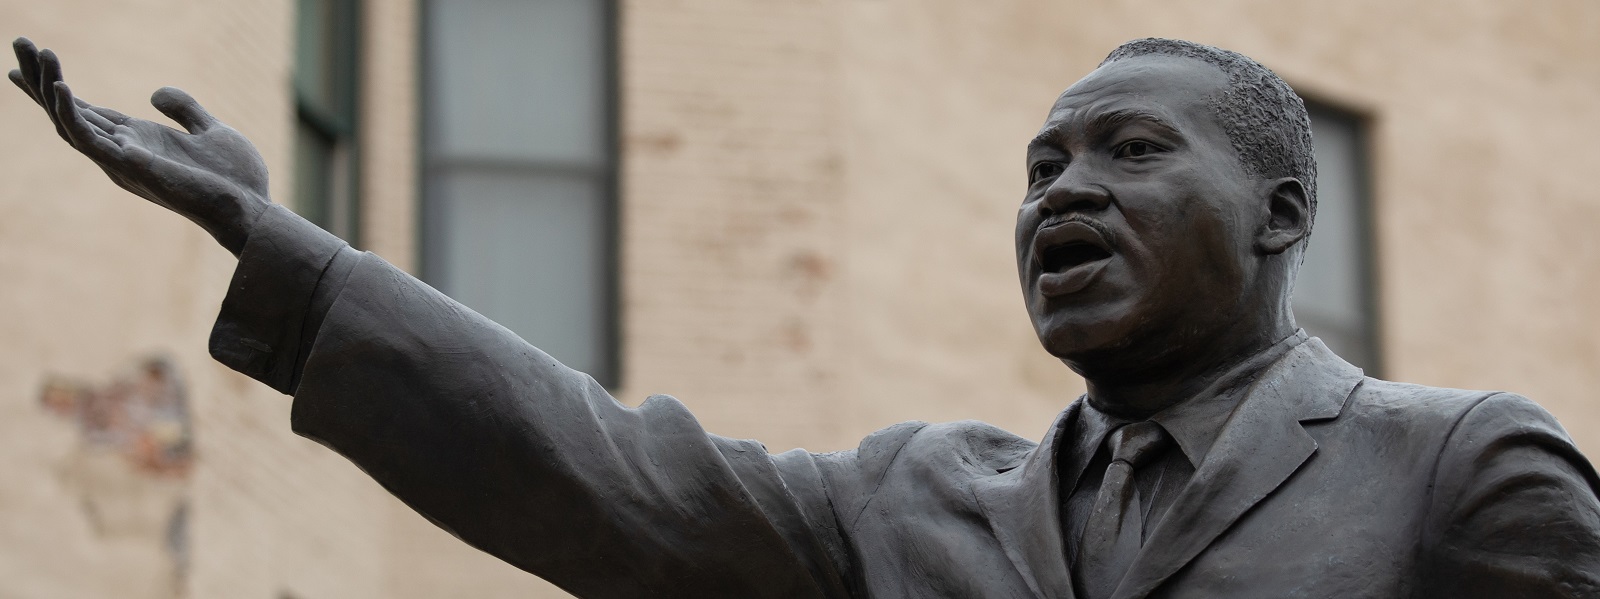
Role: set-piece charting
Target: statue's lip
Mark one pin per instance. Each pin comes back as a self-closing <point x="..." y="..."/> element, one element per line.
<point x="1071" y="280"/>
<point x="1068" y="233"/>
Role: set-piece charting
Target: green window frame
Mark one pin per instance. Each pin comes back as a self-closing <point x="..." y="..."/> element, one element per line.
<point x="326" y="91"/>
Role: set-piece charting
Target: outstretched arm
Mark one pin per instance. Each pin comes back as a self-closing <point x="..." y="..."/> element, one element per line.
<point x="208" y="173"/>
<point x="535" y="463"/>
<point x="468" y="424"/>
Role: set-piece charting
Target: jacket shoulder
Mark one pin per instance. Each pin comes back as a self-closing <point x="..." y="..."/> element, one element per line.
<point x="1380" y="400"/>
<point x="920" y="450"/>
<point x="917" y="441"/>
<point x="967" y="445"/>
<point x="1460" y="423"/>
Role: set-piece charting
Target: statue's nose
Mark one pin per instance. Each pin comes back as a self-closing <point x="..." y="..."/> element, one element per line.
<point x="1070" y="193"/>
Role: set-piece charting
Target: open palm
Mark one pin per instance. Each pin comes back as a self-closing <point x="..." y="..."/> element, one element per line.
<point x="208" y="173"/>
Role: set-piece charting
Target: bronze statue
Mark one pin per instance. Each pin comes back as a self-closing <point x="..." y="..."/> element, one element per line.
<point x="1219" y="451"/>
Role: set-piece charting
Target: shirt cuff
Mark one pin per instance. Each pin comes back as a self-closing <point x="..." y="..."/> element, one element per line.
<point x="288" y="276"/>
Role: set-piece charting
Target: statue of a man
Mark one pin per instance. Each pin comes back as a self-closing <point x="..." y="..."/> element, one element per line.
<point x="1219" y="451"/>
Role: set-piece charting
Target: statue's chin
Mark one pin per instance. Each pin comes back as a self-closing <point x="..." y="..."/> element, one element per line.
<point x="1108" y="347"/>
<point x="1091" y="348"/>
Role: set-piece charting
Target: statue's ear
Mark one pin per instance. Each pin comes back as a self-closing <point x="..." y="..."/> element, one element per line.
<point x="1288" y="216"/>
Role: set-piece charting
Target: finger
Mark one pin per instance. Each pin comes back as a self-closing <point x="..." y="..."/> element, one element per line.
<point x="49" y="76"/>
<point x="99" y="122"/>
<point x="79" y="132"/>
<point x="28" y="65"/>
<point x="179" y="106"/>
<point x="17" y="78"/>
<point x="104" y="119"/>
<point x="109" y="114"/>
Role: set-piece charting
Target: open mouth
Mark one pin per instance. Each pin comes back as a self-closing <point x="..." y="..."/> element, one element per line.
<point x="1061" y="258"/>
<point x="1070" y="256"/>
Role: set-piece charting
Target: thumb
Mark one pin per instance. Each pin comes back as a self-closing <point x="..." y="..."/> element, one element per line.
<point x="179" y="106"/>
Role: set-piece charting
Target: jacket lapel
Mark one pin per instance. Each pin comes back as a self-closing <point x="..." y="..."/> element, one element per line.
<point x="1262" y="444"/>
<point x="1024" y="510"/>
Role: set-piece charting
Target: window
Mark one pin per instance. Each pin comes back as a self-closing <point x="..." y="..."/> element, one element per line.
<point x="325" y="87"/>
<point x="1333" y="296"/>
<point x="519" y="163"/>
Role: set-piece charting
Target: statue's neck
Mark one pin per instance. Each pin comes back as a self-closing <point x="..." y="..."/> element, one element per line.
<point x="1169" y="382"/>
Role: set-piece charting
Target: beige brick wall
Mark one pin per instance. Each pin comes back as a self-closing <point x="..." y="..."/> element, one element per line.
<point x="817" y="211"/>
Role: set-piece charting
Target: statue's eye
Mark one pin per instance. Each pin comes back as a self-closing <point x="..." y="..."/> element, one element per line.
<point x="1044" y="171"/>
<point x="1135" y="149"/>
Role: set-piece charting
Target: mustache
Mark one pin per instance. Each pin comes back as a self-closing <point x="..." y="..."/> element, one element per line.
<point x="1061" y="219"/>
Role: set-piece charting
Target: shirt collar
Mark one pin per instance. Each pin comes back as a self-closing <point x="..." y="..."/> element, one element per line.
<point x="1195" y="423"/>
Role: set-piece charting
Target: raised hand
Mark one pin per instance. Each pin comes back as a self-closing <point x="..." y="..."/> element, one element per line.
<point x="211" y="175"/>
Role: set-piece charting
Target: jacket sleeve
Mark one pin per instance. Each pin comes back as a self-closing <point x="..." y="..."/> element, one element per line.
<point x="501" y="445"/>
<point x="1514" y="510"/>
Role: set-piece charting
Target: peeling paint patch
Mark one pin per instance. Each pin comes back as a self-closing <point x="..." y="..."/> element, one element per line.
<point x="135" y="453"/>
<point x="142" y="415"/>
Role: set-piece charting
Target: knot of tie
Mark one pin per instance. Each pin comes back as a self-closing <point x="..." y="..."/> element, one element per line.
<point x="1138" y="442"/>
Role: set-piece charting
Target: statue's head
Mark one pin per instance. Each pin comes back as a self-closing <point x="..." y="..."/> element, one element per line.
<point x="1170" y="195"/>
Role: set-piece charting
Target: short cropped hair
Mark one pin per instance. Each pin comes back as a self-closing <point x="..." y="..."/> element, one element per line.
<point x="1262" y="116"/>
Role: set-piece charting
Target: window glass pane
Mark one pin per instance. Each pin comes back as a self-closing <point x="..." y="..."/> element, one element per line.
<point x="517" y="175"/>
<point x="525" y="250"/>
<point x="1331" y="298"/>
<point x="518" y="79"/>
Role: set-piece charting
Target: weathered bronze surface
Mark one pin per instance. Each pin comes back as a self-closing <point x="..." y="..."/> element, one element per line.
<point x="1219" y="451"/>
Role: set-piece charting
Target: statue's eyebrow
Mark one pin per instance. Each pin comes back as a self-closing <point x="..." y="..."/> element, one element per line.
<point x="1106" y="123"/>
<point x="1103" y="125"/>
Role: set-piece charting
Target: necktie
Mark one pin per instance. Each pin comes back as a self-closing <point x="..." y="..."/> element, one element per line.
<point x="1114" y="532"/>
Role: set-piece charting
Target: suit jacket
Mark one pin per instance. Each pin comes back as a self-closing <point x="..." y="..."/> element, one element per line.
<point x="1323" y="483"/>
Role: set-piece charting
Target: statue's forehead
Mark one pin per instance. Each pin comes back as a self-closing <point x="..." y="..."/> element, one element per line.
<point x="1170" y="85"/>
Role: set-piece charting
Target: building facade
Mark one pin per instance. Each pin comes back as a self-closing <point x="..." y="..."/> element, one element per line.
<point x="796" y="217"/>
